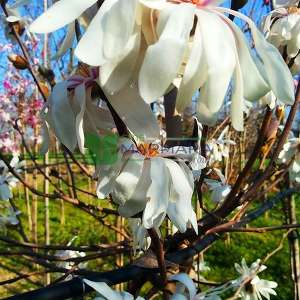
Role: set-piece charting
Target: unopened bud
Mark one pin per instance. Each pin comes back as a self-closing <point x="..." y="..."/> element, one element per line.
<point x="48" y="74"/>
<point x="18" y="61"/>
<point x="45" y="89"/>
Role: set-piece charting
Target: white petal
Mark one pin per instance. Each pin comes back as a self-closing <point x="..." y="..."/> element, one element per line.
<point x="137" y="179"/>
<point x="111" y="28"/>
<point x="45" y="138"/>
<point x="157" y="194"/>
<point x="194" y="75"/>
<point x="276" y="70"/>
<point x="62" y="116"/>
<point x="107" y="177"/>
<point x="67" y="43"/>
<point x="134" y="112"/>
<point x="163" y="59"/>
<point x="5" y="192"/>
<point x="237" y="99"/>
<point x="254" y="84"/>
<point x="293" y="45"/>
<point x="117" y="25"/>
<point x="220" y="65"/>
<point x="116" y="73"/>
<point x="180" y="209"/>
<point x="80" y="99"/>
<point x="13" y="19"/>
<point x="60" y="14"/>
<point x="104" y="290"/>
<point x="187" y="282"/>
<point x="155" y="4"/>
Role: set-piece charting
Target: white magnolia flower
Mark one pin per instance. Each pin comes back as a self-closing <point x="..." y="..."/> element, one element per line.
<point x="71" y="112"/>
<point x="146" y="179"/>
<point x="66" y="254"/>
<point x="256" y="288"/>
<point x="7" y="180"/>
<point x="219" y="148"/>
<point x="10" y="218"/>
<point x="282" y="27"/>
<point x="220" y="189"/>
<point x="185" y="290"/>
<point x="14" y="15"/>
<point x="286" y="3"/>
<point x="291" y="151"/>
<point x="141" y="240"/>
<point x="197" y="45"/>
<point x="175" y="46"/>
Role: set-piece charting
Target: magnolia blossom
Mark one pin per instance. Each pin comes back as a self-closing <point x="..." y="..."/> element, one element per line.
<point x="281" y="3"/>
<point x="220" y="189"/>
<point x="146" y="178"/>
<point x="291" y="152"/>
<point x="282" y="27"/>
<point x="152" y="44"/>
<point x="219" y="147"/>
<point x="14" y="15"/>
<point x="9" y="218"/>
<point x="185" y="290"/>
<point x="67" y="254"/>
<point x="192" y="50"/>
<point x="255" y="288"/>
<point x="71" y="112"/>
<point x="141" y="240"/>
<point x="7" y="180"/>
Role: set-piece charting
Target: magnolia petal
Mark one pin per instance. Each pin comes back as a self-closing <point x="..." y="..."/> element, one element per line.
<point x="60" y="14"/>
<point x="13" y="19"/>
<point x="104" y="290"/>
<point x="111" y="27"/>
<point x="160" y="67"/>
<point x="255" y="86"/>
<point x="220" y="65"/>
<point x="137" y="200"/>
<point x="116" y="73"/>
<point x="187" y="282"/>
<point x="194" y="75"/>
<point x="86" y="50"/>
<point x="179" y="208"/>
<point x="45" y="138"/>
<point x="293" y="45"/>
<point x="117" y="26"/>
<point x="163" y="59"/>
<point x="157" y="194"/>
<point x="276" y="70"/>
<point x="62" y="116"/>
<point x="237" y="99"/>
<point x="136" y="114"/>
<point x="67" y="42"/>
<point x="155" y="4"/>
<point x="127" y="182"/>
<point x="107" y="177"/>
<point x="5" y="192"/>
<point x="80" y="99"/>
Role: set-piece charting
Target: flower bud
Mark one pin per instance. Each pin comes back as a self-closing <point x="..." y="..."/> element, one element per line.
<point x="18" y="61"/>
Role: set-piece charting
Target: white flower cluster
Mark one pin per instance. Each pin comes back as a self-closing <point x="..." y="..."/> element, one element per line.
<point x="250" y="285"/>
